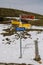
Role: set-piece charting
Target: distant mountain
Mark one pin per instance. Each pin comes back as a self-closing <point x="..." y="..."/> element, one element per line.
<point x="6" y="12"/>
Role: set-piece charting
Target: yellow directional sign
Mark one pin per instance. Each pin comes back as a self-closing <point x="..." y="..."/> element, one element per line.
<point x="20" y="24"/>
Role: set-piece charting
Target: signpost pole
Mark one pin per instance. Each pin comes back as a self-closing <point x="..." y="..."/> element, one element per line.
<point x="20" y="45"/>
<point x="21" y="30"/>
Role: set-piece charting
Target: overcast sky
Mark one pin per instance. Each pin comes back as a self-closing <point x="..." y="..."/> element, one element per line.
<point x="35" y="6"/>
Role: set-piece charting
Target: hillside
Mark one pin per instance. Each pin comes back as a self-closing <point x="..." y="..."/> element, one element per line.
<point x="6" y="12"/>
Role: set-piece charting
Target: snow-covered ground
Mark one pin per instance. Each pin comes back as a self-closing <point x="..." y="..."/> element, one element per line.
<point x="10" y="53"/>
<point x="37" y="27"/>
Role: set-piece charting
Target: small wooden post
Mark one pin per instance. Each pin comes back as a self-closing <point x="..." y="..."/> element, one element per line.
<point x="37" y="56"/>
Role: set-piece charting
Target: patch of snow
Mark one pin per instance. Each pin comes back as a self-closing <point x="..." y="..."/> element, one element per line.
<point x="11" y="53"/>
<point x="37" y="27"/>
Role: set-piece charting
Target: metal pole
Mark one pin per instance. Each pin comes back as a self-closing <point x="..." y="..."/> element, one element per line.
<point x="20" y="46"/>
